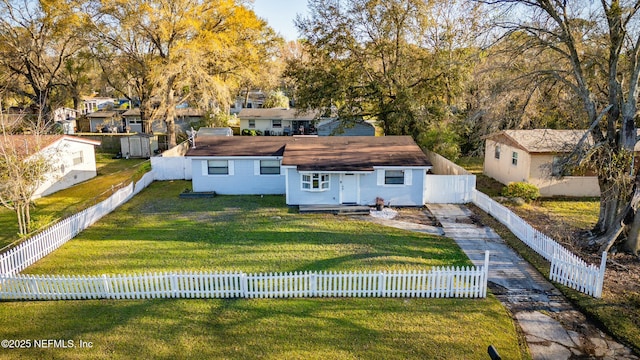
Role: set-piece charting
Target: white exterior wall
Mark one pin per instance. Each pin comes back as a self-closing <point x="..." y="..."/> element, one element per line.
<point x="243" y="179"/>
<point x="369" y="186"/>
<point x="297" y="196"/>
<point x="265" y="124"/>
<point x="67" y="174"/>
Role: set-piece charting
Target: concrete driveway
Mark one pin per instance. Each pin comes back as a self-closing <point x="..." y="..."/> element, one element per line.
<point x="553" y="328"/>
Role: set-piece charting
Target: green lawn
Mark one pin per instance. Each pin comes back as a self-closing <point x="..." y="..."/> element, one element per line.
<point x="157" y="231"/>
<point x="112" y="174"/>
<point x="580" y="213"/>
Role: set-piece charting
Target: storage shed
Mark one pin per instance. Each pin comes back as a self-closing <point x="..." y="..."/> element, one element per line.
<point x="139" y="145"/>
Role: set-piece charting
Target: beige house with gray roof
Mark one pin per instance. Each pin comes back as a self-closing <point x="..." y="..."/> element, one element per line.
<point x="530" y="156"/>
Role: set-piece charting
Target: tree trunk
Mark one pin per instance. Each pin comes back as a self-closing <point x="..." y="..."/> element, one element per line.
<point x="608" y="208"/>
<point x="632" y="244"/>
<point x="170" y="115"/>
<point x="144" y="117"/>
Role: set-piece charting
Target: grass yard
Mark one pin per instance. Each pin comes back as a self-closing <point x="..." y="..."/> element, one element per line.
<point x="64" y="203"/>
<point x="157" y="231"/>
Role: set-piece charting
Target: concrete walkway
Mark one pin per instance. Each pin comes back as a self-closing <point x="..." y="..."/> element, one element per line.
<point x="552" y="327"/>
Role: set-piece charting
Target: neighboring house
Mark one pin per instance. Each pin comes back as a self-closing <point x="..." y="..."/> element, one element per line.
<point x="185" y="117"/>
<point x="254" y="100"/>
<point x="73" y="157"/>
<point x="93" y="104"/>
<point x="277" y="121"/>
<point x="336" y="127"/>
<point x="66" y="117"/>
<point x="133" y="120"/>
<point x="532" y="156"/>
<point x="313" y="170"/>
<point x="105" y="121"/>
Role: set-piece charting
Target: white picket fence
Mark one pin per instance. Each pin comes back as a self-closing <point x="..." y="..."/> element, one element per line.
<point x="566" y="268"/>
<point x="17" y="259"/>
<point x="440" y="282"/>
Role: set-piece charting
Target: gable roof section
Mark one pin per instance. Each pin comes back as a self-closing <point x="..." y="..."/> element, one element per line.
<point x="255" y="146"/>
<point x="276" y="114"/>
<point x="27" y="145"/>
<point x="356" y="153"/>
<point x="540" y="140"/>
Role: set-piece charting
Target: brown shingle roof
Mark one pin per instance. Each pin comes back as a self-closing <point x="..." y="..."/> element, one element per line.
<point x="541" y="140"/>
<point x="26" y="145"/>
<point x="239" y="146"/>
<point x="357" y="153"/>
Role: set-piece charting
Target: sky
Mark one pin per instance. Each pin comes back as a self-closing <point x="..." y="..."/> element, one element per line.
<point x="280" y="14"/>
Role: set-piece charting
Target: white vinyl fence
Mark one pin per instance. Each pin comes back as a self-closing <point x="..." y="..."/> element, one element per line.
<point x="449" y="189"/>
<point x="566" y="268"/>
<point x="17" y="259"/>
<point x="171" y="168"/>
<point x="459" y="282"/>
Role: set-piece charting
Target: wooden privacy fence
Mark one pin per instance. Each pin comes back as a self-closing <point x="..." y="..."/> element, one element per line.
<point x="439" y="282"/>
<point x="566" y="268"/>
<point x="17" y="259"/>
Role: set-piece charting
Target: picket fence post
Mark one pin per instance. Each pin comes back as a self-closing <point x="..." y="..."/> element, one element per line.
<point x="603" y="266"/>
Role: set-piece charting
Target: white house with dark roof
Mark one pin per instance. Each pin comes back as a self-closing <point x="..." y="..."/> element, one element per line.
<point x="532" y="156"/>
<point x="277" y="121"/>
<point x="73" y="158"/>
<point x="313" y="170"/>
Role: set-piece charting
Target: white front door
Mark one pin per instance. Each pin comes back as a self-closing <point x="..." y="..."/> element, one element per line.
<point x="349" y="189"/>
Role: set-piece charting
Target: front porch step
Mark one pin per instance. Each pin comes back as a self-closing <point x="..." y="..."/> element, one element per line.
<point x="335" y="209"/>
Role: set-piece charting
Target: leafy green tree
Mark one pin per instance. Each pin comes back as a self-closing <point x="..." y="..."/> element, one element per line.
<point x="276" y="99"/>
<point x="400" y="62"/>
<point x="187" y="51"/>
<point x="593" y="49"/>
<point x="23" y="168"/>
<point x="37" y="41"/>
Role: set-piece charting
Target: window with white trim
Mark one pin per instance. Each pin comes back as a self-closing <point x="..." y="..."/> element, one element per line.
<point x="276" y="123"/>
<point x="77" y="157"/>
<point x="514" y="158"/>
<point x="218" y="167"/>
<point x="269" y="167"/>
<point x="252" y="124"/>
<point x="315" y="182"/>
<point x="394" y="177"/>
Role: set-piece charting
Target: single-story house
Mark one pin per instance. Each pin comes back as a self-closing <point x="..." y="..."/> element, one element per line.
<point x="336" y="127"/>
<point x="92" y="104"/>
<point x="74" y="159"/>
<point x="278" y="121"/>
<point x="105" y="121"/>
<point x="532" y="156"/>
<point x="313" y="170"/>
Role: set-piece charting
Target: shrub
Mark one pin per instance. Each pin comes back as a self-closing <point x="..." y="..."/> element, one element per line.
<point x="521" y="190"/>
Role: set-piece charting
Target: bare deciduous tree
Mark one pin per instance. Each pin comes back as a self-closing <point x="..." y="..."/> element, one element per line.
<point x="592" y="48"/>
